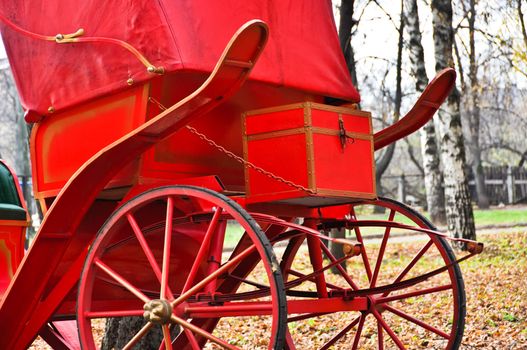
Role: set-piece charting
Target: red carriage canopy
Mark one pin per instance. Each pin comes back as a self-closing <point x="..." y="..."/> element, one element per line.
<point x="303" y="50"/>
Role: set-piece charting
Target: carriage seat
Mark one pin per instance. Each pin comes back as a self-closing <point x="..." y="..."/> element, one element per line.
<point x="10" y="206"/>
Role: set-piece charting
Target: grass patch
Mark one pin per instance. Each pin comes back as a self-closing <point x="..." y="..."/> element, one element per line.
<point x="494" y="216"/>
<point x="233" y="234"/>
<point x="500" y="216"/>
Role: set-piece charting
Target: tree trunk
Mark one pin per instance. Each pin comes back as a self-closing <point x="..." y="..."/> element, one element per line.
<point x="119" y="332"/>
<point x="435" y="195"/>
<point x="346" y="25"/>
<point x="460" y="217"/>
<point x="522" y="21"/>
<point x="475" y="115"/>
<point x="336" y="248"/>
<point x="383" y="162"/>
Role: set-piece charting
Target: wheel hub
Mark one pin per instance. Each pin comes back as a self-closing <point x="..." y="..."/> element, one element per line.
<point x="157" y="311"/>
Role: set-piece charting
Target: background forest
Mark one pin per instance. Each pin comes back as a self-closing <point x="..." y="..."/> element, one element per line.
<point x="489" y="52"/>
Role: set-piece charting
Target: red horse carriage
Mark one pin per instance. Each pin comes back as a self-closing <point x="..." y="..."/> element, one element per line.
<point x="192" y="179"/>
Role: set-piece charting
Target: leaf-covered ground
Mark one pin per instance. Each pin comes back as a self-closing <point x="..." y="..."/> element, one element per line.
<point x="496" y="286"/>
<point x="496" y="290"/>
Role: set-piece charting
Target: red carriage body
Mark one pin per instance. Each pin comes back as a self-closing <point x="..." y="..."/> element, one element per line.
<point x="139" y="135"/>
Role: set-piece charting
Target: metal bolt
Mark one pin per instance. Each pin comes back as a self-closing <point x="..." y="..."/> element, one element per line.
<point x="130" y="81"/>
<point x="352" y="250"/>
<point x="59" y="37"/>
<point x="51" y="109"/>
<point x="151" y="69"/>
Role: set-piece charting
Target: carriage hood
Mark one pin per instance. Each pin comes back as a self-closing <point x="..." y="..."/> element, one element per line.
<point x="303" y="51"/>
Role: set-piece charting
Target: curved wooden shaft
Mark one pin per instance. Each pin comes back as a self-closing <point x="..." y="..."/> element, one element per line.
<point x="424" y="109"/>
<point x="35" y="293"/>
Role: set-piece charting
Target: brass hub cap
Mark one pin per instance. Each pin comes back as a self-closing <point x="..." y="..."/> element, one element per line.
<point x="157" y="311"/>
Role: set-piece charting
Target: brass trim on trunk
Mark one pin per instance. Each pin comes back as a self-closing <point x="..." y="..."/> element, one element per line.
<point x="274" y="134"/>
<point x="311" y="105"/>
<point x="332" y="132"/>
<point x="343" y="193"/>
<point x="310" y="153"/>
<point x="314" y="129"/>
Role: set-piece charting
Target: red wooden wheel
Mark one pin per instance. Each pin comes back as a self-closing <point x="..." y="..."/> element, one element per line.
<point x="161" y="256"/>
<point x="426" y="314"/>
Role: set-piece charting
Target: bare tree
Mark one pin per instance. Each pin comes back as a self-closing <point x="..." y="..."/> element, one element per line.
<point x="473" y="92"/>
<point x="522" y="21"/>
<point x="384" y="159"/>
<point x="460" y="217"/>
<point x="435" y="195"/>
<point x="346" y="27"/>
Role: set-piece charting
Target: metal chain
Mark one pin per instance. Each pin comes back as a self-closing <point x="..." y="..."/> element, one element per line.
<point x="238" y="158"/>
<point x="247" y="163"/>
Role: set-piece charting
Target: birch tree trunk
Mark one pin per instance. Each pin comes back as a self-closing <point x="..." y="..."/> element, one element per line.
<point x="474" y="113"/>
<point x="460" y="217"/>
<point x="435" y="195"/>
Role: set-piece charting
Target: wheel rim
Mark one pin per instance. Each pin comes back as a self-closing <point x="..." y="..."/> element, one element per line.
<point x="390" y="315"/>
<point x="135" y="269"/>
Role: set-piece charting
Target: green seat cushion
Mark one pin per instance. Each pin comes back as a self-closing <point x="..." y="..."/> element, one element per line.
<point x="8" y="192"/>
<point x="12" y="212"/>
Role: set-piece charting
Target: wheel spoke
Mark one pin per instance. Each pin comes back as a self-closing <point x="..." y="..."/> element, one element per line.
<point x="415" y="293"/>
<point x="356" y="339"/>
<point x="121" y="280"/>
<point x="364" y="254"/>
<point x="192" y="339"/>
<point x="413" y="262"/>
<point x="417" y="322"/>
<point x="388" y="330"/>
<point x="340" y="334"/>
<point x="201" y="332"/>
<point x="138" y="336"/>
<point x="249" y="282"/>
<point x="380" y="337"/>
<point x="223" y="269"/>
<point x="306" y="316"/>
<point x="290" y="343"/>
<point x="166" y="250"/>
<point x="299" y="274"/>
<point x="342" y="272"/>
<point x="300" y="280"/>
<point x="382" y="249"/>
<point x="203" y="249"/>
<point x="166" y="337"/>
<point x="144" y="245"/>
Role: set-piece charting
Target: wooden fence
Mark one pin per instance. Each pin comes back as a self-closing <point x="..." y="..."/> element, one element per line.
<point x="504" y="184"/>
